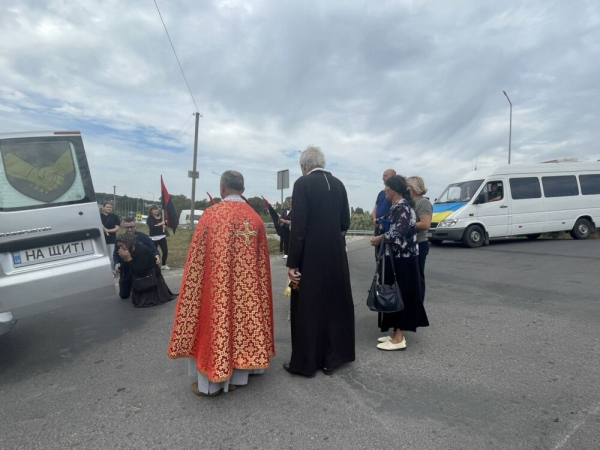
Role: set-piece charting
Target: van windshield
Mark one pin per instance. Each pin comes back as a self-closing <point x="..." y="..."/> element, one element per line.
<point x="460" y="192"/>
<point x="37" y="172"/>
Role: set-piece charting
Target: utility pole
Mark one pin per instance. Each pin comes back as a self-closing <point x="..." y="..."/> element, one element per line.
<point x="510" y="126"/>
<point x="115" y="198"/>
<point x="194" y="173"/>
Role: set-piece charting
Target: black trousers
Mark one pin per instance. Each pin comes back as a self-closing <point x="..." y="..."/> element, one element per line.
<point x="284" y="242"/>
<point x="423" y="252"/>
<point x="163" y="249"/>
<point x="125" y="284"/>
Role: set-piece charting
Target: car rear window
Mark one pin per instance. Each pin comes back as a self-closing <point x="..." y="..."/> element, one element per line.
<point x="43" y="171"/>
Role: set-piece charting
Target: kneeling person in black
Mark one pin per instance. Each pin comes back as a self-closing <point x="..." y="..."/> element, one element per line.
<point x="125" y="279"/>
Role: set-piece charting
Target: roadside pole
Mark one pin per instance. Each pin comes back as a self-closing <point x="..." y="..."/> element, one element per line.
<point x="194" y="174"/>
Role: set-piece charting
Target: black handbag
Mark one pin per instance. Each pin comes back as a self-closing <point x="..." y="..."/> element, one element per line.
<point x="384" y="298"/>
<point x="147" y="282"/>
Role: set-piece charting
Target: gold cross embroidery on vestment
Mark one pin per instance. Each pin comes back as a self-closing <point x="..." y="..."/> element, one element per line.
<point x="246" y="234"/>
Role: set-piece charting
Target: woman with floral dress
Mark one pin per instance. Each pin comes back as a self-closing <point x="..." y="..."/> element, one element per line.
<point x="403" y="252"/>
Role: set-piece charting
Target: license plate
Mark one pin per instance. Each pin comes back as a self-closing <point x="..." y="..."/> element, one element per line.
<point x="429" y="235"/>
<point x="52" y="253"/>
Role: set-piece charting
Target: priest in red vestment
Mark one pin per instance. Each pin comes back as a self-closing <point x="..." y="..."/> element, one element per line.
<point x="224" y="317"/>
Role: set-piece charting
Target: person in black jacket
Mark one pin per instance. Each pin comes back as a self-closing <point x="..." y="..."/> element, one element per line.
<point x="125" y="279"/>
<point x="140" y="260"/>
<point x="158" y="233"/>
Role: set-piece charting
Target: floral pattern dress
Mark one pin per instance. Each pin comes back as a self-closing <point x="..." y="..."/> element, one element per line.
<point x="404" y="257"/>
<point x="403" y="230"/>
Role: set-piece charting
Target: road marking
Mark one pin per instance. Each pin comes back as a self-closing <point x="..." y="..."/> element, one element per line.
<point x="576" y="427"/>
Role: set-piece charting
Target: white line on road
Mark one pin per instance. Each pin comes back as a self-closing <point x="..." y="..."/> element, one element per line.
<point x="576" y="427"/>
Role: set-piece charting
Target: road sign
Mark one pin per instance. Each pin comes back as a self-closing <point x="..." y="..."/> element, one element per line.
<point x="283" y="179"/>
<point x="138" y="217"/>
<point x="192" y="174"/>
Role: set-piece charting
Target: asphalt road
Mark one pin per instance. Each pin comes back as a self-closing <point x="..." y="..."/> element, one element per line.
<point x="510" y="361"/>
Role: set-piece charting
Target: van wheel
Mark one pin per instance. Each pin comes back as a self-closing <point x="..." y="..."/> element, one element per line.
<point x="581" y="230"/>
<point x="474" y="236"/>
<point x="436" y="242"/>
<point x="533" y="237"/>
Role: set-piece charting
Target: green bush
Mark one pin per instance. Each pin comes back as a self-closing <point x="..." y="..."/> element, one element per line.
<point x="361" y="222"/>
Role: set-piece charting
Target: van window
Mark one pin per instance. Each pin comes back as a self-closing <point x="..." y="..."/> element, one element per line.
<point x="494" y="191"/>
<point x="460" y="192"/>
<point x="563" y="186"/>
<point x="43" y="171"/>
<point x="590" y="184"/>
<point x="524" y="188"/>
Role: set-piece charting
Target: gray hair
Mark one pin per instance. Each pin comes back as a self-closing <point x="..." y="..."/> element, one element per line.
<point x="312" y="158"/>
<point x="417" y="185"/>
<point x="233" y="180"/>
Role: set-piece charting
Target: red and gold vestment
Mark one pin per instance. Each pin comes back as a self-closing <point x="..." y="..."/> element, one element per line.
<point x="224" y="317"/>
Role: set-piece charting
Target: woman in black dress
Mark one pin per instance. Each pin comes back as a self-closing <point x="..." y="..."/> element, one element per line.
<point x="141" y="261"/>
<point x="403" y="251"/>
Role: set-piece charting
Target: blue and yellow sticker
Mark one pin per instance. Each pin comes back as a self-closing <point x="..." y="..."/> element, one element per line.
<point x="441" y="211"/>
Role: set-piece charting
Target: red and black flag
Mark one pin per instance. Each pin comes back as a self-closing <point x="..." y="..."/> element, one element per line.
<point x="169" y="213"/>
<point x="274" y="216"/>
<point x="212" y="201"/>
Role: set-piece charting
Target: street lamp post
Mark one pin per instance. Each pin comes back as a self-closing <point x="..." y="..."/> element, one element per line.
<point x="509" y="126"/>
<point x="152" y="195"/>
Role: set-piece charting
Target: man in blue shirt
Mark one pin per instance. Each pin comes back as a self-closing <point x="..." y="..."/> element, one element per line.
<point x="382" y="206"/>
<point x="125" y="280"/>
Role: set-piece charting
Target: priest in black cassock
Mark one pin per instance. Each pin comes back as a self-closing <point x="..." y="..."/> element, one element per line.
<point x="322" y="310"/>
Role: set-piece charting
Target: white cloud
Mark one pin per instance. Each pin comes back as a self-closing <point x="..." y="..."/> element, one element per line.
<point x="412" y="85"/>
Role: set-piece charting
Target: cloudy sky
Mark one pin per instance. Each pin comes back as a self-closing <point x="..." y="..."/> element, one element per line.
<point x="411" y="85"/>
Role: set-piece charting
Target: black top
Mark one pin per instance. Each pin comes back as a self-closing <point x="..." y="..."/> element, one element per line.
<point x="151" y="221"/>
<point x="142" y="260"/>
<point x="109" y="221"/>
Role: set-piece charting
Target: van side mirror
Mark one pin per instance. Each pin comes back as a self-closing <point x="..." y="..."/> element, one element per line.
<point x="480" y="199"/>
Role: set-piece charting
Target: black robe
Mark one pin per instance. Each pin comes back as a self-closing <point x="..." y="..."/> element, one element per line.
<point x="322" y="311"/>
<point x="143" y="260"/>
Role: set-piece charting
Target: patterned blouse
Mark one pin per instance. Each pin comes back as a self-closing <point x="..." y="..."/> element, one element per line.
<point x="403" y="230"/>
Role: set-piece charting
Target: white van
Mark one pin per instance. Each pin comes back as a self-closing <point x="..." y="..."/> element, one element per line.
<point x="519" y="200"/>
<point x="52" y="249"/>
<point x="184" y="218"/>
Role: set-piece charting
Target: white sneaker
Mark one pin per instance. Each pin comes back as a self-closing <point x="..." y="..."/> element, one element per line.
<point x="165" y="267"/>
<point x="390" y="346"/>
<point x="284" y="256"/>
<point x="386" y="338"/>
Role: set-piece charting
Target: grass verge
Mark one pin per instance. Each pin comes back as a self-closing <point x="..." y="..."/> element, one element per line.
<point x="179" y="244"/>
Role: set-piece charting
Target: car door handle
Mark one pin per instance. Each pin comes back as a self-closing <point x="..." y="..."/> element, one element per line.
<point x="504" y="206"/>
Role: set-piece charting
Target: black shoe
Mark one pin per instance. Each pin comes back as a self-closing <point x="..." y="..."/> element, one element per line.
<point x="328" y="372"/>
<point x="286" y="366"/>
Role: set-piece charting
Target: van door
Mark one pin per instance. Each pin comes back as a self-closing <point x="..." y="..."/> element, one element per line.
<point x="492" y="208"/>
<point x="52" y="248"/>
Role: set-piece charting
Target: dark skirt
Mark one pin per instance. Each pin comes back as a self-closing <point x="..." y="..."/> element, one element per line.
<point x="408" y="277"/>
<point x="153" y="297"/>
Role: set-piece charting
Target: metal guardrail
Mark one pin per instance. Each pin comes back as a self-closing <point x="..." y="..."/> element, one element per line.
<point x="359" y="233"/>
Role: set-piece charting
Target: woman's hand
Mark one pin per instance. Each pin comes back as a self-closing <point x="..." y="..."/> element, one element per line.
<point x="125" y="255"/>
<point x="376" y="240"/>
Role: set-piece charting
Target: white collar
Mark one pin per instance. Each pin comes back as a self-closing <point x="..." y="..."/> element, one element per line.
<point x="234" y="198"/>
<point x="314" y="170"/>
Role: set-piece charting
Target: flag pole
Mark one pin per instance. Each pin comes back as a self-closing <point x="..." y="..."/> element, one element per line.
<point x="193" y="223"/>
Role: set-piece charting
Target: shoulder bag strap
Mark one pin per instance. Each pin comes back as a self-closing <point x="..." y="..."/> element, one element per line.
<point x="393" y="265"/>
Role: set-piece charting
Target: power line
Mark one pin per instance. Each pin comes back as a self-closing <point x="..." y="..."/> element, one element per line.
<point x="176" y="57"/>
<point x="160" y="153"/>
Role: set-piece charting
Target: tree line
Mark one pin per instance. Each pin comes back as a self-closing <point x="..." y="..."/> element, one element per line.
<point x="130" y="206"/>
